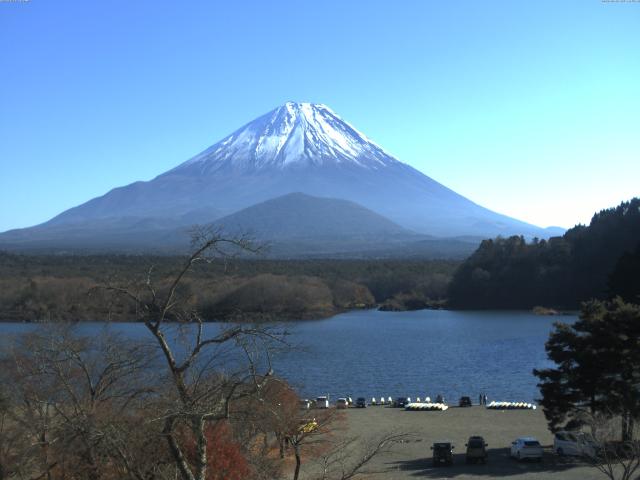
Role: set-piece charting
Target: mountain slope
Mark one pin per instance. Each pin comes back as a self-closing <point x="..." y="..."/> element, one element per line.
<point x="298" y="147"/>
<point x="299" y="225"/>
<point x="292" y="226"/>
<point x="300" y="216"/>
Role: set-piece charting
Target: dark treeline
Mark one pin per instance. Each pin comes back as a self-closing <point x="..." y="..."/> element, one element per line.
<point x="59" y="287"/>
<point x="596" y="261"/>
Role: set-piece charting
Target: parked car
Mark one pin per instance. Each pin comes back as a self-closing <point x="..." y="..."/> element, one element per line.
<point x="526" y="447"/>
<point x="342" y="403"/>
<point x="442" y="453"/>
<point x="476" y="449"/>
<point x="305" y="404"/>
<point x="322" y="402"/>
<point x="464" y="402"/>
<point x="400" y="402"/>
<point x="361" y="402"/>
<point x="578" y="444"/>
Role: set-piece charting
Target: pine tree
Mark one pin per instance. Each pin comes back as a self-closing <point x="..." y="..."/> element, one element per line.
<point x="597" y="366"/>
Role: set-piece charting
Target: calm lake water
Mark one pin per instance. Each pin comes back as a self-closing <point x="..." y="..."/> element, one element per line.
<point x="429" y="352"/>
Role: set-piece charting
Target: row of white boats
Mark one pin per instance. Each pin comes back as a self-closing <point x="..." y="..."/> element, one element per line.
<point x="407" y="400"/>
<point x="418" y="405"/>
<point x="426" y="407"/>
<point x="511" y="406"/>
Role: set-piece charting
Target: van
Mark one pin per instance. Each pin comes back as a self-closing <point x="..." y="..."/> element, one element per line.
<point x="579" y="444"/>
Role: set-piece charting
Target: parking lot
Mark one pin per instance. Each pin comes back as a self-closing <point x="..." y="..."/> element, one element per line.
<point x="412" y="459"/>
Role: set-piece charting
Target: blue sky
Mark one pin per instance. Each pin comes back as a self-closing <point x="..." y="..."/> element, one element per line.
<point x="531" y="109"/>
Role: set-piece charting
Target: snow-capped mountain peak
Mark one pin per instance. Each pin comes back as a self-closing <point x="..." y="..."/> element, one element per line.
<point x="296" y="150"/>
<point x="292" y="135"/>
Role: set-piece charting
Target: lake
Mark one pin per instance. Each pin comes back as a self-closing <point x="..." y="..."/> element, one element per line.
<point x="428" y="352"/>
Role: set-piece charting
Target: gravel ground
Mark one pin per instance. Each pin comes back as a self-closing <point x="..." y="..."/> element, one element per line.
<point x="412" y="458"/>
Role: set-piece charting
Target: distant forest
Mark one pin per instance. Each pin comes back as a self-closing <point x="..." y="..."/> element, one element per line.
<point x="61" y="287"/>
<point x="601" y="260"/>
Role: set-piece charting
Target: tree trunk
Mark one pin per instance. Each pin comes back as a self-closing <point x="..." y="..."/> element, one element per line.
<point x="281" y="445"/>
<point x="298" y="462"/>
<point x="627" y="426"/>
<point x="176" y="451"/>
<point x="201" y="447"/>
<point x="44" y="441"/>
<point x="93" y="471"/>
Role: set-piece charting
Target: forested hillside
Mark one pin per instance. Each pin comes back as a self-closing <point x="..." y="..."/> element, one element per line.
<point x="60" y="287"/>
<point x="595" y="261"/>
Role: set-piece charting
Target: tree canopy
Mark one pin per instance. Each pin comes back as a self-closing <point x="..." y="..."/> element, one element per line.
<point x="625" y="278"/>
<point x="560" y="272"/>
<point x="597" y="366"/>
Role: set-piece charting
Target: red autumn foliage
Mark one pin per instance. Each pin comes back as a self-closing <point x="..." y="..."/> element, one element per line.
<point x="226" y="459"/>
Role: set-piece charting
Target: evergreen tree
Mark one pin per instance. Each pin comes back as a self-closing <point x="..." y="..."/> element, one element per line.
<point x="560" y="272"/>
<point x="624" y="281"/>
<point x="597" y="366"/>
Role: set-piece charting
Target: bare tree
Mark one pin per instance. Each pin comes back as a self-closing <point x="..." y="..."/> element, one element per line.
<point x="310" y="434"/>
<point x="208" y="369"/>
<point x="104" y="408"/>
<point x="72" y="398"/>
<point x="348" y="457"/>
<point x="316" y="434"/>
<point x="335" y="456"/>
<point x="12" y="442"/>
<point x="616" y="459"/>
<point x="28" y="423"/>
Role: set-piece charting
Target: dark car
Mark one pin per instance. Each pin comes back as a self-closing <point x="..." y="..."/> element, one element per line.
<point x="400" y="402"/>
<point x="464" y="402"/>
<point x="361" y="402"/>
<point x="442" y="453"/>
<point x="476" y="450"/>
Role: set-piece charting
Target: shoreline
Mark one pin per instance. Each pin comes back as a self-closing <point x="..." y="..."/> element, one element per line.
<point x="309" y="316"/>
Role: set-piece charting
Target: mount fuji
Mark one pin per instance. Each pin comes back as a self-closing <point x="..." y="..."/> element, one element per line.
<point x="297" y="148"/>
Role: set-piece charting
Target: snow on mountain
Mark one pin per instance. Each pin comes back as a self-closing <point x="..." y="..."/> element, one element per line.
<point x="293" y="135"/>
<point x="298" y="147"/>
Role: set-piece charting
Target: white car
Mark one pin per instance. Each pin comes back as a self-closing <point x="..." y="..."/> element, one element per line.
<point x="342" y="403"/>
<point x="322" y="402"/>
<point x="578" y="444"/>
<point x="526" y="447"/>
